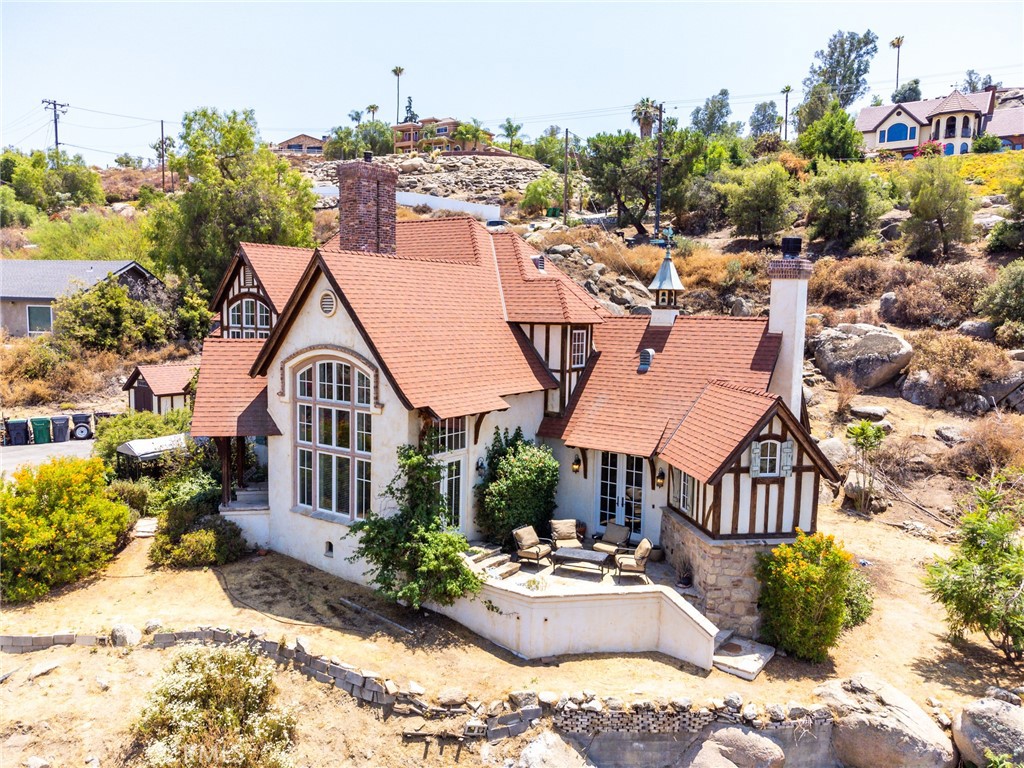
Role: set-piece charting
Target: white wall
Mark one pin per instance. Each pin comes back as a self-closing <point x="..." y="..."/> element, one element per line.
<point x="481" y="211"/>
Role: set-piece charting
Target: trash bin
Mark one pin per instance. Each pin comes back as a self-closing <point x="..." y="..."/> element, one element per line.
<point x="80" y="430"/>
<point x="60" y="428"/>
<point x="40" y="430"/>
<point x="17" y="432"/>
<point x="97" y="415"/>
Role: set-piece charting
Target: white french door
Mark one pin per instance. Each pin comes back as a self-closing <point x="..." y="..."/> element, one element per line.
<point x="620" y="491"/>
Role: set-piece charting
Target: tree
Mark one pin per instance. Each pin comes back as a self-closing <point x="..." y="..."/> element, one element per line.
<point x="909" y="91"/>
<point x="866" y="438"/>
<point x="427" y="134"/>
<point x="356" y="116"/>
<point x="843" y="65"/>
<point x="804" y="589"/>
<point x="163" y="149"/>
<point x="813" y="107"/>
<point x="940" y="207"/>
<point x="786" y="90"/>
<point x="410" y="115"/>
<point x="398" y="72"/>
<point x="376" y="136"/>
<point x="542" y="193"/>
<point x="510" y="130"/>
<point x="1003" y="301"/>
<point x="645" y="112"/>
<point x="125" y="160"/>
<point x="764" y="119"/>
<point x="844" y="202"/>
<point x="372" y="110"/>
<point x="237" y="190"/>
<point x="342" y="144"/>
<point x="713" y="118"/>
<point x="412" y="558"/>
<point x="758" y="200"/>
<point x="52" y="181"/>
<point x="470" y="134"/>
<point x="834" y="136"/>
<point x="620" y="172"/>
<point x="973" y="82"/>
<point x="106" y="317"/>
<point x="897" y="43"/>
<point x="987" y="143"/>
<point x="980" y="584"/>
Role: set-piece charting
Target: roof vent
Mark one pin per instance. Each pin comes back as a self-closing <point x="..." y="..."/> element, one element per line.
<point x="328" y="303"/>
<point x="539" y="262"/>
<point x="646" y="358"/>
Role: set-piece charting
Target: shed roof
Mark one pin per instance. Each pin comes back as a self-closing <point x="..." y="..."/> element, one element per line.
<point x="53" y="278"/>
<point x="167" y="379"/>
<point x="230" y="402"/>
<point x="147" y="448"/>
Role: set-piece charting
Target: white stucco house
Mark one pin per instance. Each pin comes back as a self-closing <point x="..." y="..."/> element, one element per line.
<point x="686" y="429"/>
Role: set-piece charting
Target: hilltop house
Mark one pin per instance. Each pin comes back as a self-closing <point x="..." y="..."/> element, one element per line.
<point x="411" y="136"/>
<point x="687" y="430"/>
<point x="29" y="287"/>
<point x="160" y="388"/>
<point x="303" y="144"/>
<point x="955" y="121"/>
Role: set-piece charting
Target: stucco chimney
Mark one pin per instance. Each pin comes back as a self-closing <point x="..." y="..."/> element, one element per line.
<point x="787" y="315"/>
<point x="366" y="206"/>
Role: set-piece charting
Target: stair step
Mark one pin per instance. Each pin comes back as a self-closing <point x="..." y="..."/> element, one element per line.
<point x="494" y="561"/>
<point x="722" y="637"/>
<point x="506" y="570"/>
<point x="480" y="553"/>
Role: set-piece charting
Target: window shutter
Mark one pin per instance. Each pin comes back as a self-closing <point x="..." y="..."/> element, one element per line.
<point x="755" y="459"/>
<point x="787" y="459"/>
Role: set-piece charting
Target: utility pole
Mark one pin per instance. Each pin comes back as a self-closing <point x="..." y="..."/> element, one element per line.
<point x="565" y="182"/>
<point x="58" y="110"/>
<point x="163" y="159"/>
<point x="657" y="195"/>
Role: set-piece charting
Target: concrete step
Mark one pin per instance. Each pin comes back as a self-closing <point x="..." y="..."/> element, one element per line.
<point x="494" y="561"/>
<point x="722" y="637"/>
<point x="479" y="552"/>
<point x="251" y="495"/>
<point x="506" y="570"/>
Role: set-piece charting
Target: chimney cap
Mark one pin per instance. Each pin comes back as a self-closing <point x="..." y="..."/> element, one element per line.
<point x="367" y="156"/>
<point x="791" y="247"/>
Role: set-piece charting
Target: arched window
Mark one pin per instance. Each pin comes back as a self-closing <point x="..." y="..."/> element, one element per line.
<point x="898" y="132"/>
<point x="333" y="432"/>
<point x="965" y="132"/>
<point x="248" y="318"/>
<point x="769" y="459"/>
<point x="948" y="149"/>
<point x="964" y="149"/>
<point x="950" y="127"/>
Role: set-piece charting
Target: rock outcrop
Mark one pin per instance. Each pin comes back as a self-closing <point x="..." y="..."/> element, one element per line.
<point x="868" y="354"/>
<point x="989" y="724"/>
<point x="733" y="747"/>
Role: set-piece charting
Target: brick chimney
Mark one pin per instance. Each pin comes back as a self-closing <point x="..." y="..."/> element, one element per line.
<point x="366" y="206"/>
<point x="787" y="315"/>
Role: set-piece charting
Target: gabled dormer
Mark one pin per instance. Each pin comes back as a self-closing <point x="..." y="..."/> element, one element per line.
<point x="666" y="288"/>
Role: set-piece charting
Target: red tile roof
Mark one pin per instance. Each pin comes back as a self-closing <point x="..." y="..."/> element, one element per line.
<point x="955" y="102"/>
<point x="169" y="379"/>
<point x="615" y="408"/>
<point x="434" y="315"/>
<point x="532" y="296"/>
<point x="278" y="268"/>
<point x="229" y="402"/>
<point x="705" y="439"/>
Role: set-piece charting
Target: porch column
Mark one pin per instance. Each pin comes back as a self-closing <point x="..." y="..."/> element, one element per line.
<point x="240" y="461"/>
<point x="224" y="451"/>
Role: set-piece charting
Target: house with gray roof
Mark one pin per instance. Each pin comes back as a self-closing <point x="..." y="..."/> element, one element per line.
<point x="954" y="121"/>
<point x="29" y="287"/>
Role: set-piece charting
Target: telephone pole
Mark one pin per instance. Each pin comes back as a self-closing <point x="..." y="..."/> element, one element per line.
<point x="163" y="159"/>
<point x="657" y="194"/>
<point x="565" y="182"/>
<point x="58" y="110"/>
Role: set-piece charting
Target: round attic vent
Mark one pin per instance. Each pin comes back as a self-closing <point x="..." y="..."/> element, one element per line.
<point x="328" y="303"/>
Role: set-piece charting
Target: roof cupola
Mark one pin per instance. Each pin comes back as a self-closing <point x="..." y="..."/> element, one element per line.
<point x="665" y="287"/>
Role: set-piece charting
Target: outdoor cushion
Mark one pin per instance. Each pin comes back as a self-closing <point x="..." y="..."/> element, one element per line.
<point x="563" y="530"/>
<point x="629" y="564"/>
<point x="643" y="550"/>
<point x="526" y="537"/>
<point x="536" y="552"/>
<point x="603" y="546"/>
<point x="616" y="534"/>
<point x="568" y="544"/>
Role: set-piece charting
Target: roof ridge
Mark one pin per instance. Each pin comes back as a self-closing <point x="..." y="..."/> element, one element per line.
<point x="739" y="388"/>
<point x="560" y="290"/>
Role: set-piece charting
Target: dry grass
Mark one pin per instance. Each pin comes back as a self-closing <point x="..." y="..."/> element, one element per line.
<point x="893" y="457"/>
<point x="846" y="390"/>
<point x="402" y="213"/>
<point x="120" y="184"/>
<point x="325" y="224"/>
<point x="993" y="443"/>
<point x="959" y="362"/>
<point x="847" y="282"/>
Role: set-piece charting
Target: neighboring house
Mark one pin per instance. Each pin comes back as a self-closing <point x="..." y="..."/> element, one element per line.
<point x="303" y="144"/>
<point x="409" y="136"/>
<point x="955" y="121"/>
<point x="160" y="388"/>
<point x="687" y="430"/>
<point x="29" y="287"/>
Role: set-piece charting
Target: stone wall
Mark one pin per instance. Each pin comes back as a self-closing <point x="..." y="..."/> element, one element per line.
<point x="723" y="573"/>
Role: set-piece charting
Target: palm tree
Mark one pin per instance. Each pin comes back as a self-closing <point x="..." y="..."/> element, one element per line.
<point x="469" y="134"/>
<point x="897" y="43"/>
<point x="373" y="109"/>
<point x="510" y="130"/>
<point x="644" y="112"/>
<point x="356" y="116"/>
<point x="786" y="90"/>
<point x="398" y="72"/>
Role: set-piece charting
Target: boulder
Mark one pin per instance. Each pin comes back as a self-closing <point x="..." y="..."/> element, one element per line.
<point x="978" y="329"/>
<point x="548" y="750"/>
<point x="989" y="724"/>
<point x="452" y="697"/>
<point x="870" y="355"/>
<point x="741" y="308"/>
<point x="413" y="165"/>
<point x="1016" y="354"/>
<point x="836" y="450"/>
<point x="620" y="295"/>
<point x="858" y="482"/>
<point x="878" y="725"/>
<point x="921" y="388"/>
<point x="887" y="305"/>
<point x="869" y="412"/>
<point x="562" y="249"/>
<point x="986" y="220"/>
<point x="124" y="635"/>
<point x="1000" y="388"/>
<point x="729" y="746"/>
<point x="889" y="223"/>
<point x="949" y="434"/>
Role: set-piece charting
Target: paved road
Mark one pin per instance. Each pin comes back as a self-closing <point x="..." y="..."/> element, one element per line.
<point x="14" y="456"/>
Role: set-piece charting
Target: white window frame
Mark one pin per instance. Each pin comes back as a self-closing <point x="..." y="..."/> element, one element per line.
<point x="28" y="319"/>
<point x="578" y="347"/>
<point x="681" y="491"/>
<point x="450" y="435"/>
<point x="769" y="459"/>
<point x="248" y="318"/>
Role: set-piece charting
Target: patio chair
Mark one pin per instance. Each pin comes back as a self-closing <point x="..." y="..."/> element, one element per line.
<point x="563" y="535"/>
<point x="529" y="546"/>
<point x="614" y="540"/>
<point x="635" y="563"/>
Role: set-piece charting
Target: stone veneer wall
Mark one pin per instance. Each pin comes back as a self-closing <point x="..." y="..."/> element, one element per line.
<point x="723" y="572"/>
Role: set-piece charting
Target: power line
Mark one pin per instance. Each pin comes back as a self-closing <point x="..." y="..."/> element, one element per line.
<point x="21" y="119"/>
<point x="128" y="117"/>
<point x="45" y="124"/>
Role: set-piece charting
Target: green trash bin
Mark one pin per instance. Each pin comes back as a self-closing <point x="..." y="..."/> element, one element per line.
<point x="40" y="430"/>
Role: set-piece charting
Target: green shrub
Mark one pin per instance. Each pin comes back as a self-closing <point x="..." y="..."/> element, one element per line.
<point x="115" y="430"/>
<point x="58" y="526"/>
<point x="959" y="363"/>
<point x="542" y="193"/>
<point x="522" y="491"/>
<point x="1005" y="236"/>
<point x="14" y="213"/>
<point x="941" y="212"/>
<point x="1011" y="334"/>
<point x="804" y="587"/>
<point x="134" y="494"/>
<point x="189" y="532"/>
<point x="845" y="202"/>
<point x="95" y="235"/>
<point x="212" y="540"/>
<point x="987" y="143"/>
<point x="106" y="317"/>
<point x="758" y="200"/>
<point x="411" y="557"/>
<point x="1004" y="299"/>
<point x="215" y="708"/>
<point x="860" y="599"/>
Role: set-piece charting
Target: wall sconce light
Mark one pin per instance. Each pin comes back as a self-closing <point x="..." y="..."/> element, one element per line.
<point x="480" y="466"/>
<point x="659" y="480"/>
<point x="577" y="462"/>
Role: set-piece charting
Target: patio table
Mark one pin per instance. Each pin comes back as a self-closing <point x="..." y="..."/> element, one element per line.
<point x="577" y="556"/>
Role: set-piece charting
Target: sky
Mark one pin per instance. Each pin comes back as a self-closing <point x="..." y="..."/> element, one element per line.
<point x="122" y="67"/>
